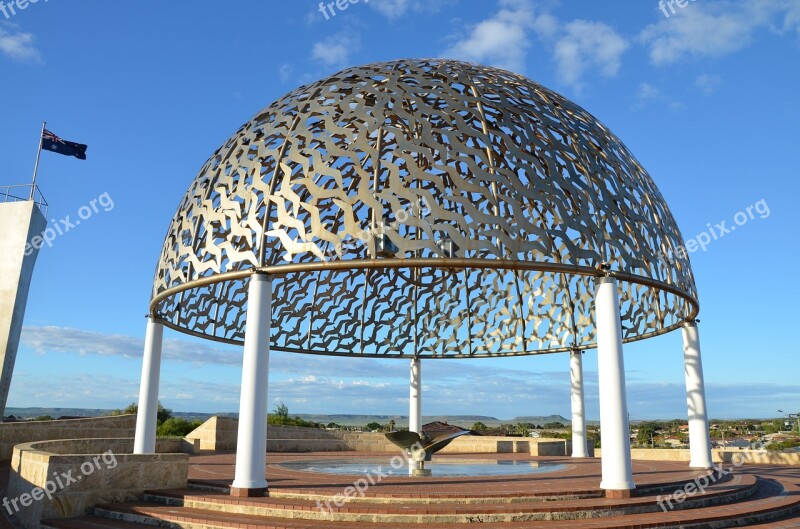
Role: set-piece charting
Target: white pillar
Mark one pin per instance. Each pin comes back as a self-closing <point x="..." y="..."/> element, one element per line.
<point x="251" y="446"/>
<point x="699" y="441"/>
<point x="147" y="414"/>
<point x="415" y="397"/>
<point x="579" y="447"/>
<point x="614" y="429"/>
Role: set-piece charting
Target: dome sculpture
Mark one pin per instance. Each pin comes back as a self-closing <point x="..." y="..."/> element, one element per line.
<point x="423" y="209"/>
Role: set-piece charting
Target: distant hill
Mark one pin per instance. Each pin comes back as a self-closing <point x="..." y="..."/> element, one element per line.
<point x="465" y="421"/>
<point x="535" y="419"/>
<point x="29" y="413"/>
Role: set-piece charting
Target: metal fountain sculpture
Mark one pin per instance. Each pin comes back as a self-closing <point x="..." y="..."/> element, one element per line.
<point x="420" y="447"/>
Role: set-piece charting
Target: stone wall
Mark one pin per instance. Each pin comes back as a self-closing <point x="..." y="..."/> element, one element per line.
<point x="752" y="457"/>
<point x="65" y="478"/>
<point x="219" y="433"/>
<point x="14" y="433"/>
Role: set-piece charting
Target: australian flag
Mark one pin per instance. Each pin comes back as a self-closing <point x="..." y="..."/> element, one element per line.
<point x="51" y="142"/>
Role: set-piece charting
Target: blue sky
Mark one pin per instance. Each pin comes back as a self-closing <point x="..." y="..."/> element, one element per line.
<point x="707" y="99"/>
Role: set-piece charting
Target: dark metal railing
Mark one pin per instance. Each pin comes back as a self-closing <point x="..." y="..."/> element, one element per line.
<point x="24" y="193"/>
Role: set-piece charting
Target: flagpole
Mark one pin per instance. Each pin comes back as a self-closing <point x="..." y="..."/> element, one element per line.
<point x="36" y="167"/>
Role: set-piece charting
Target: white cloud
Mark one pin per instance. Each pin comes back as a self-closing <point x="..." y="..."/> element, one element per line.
<point x="588" y="45"/>
<point x="715" y="29"/>
<point x="501" y="40"/>
<point x="397" y="8"/>
<point x="392" y="8"/>
<point x="285" y="72"/>
<point x="578" y="46"/>
<point x="319" y="384"/>
<point x="336" y="49"/>
<point x="17" y="45"/>
<point x="707" y="83"/>
<point x="50" y="339"/>
<point x="646" y="93"/>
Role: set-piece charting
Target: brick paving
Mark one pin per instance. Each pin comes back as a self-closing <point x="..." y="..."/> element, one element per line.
<point x="580" y="476"/>
<point x="752" y="494"/>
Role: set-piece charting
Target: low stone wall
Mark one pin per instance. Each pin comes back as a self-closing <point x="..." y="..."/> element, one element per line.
<point x="548" y="447"/>
<point x="14" y="433"/>
<point x="219" y="433"/>
<point x="589" y="448"/>
<point x="752" y="457"/>
<point x="64" y="478"/>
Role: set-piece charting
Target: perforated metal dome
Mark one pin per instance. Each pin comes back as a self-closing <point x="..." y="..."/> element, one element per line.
<point x="423" y="207"/>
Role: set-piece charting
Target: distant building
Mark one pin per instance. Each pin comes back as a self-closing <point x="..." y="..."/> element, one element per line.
<point x="436" y="428"/>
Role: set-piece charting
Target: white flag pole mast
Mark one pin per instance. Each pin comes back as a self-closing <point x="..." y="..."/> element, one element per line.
<point x="36" y="167"/>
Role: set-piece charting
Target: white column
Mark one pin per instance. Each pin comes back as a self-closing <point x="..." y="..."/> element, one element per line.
<point x="251" y="446"/>
<point x="147" y="414"/>
<point x="415" y="397"/>
<point x="699" y="441"/>
<point x="579" y="448"/>
<point x="614" y="429"/>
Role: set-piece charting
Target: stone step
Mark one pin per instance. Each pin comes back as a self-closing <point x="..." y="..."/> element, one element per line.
<point x="792" y="523"/>
<point x="311" y="494"/>
<point x="92" y="522"/>
<point x="488" y="495"/>
<point x="451" y="510"/>
<point x="768" y="503"/>
<point x="772" y="501"/>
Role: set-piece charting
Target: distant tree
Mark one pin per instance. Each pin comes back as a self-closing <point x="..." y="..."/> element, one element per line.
<point x="523" y="428"/>
<point x="593" y="436"/>
<point x="133" y="408"/>
<point x="646" y="429"/>
<point x="280" y="417"/>
<point x="553" y="425"/>
<point x="282" y="411"/>
<point x="783" y="446"/>
<point x="176" y="427"/>
<point x="479" y="427"/>
<point x="556" y="435"/>
<point x="373" y="426"/>
<point x="333" y="425"/>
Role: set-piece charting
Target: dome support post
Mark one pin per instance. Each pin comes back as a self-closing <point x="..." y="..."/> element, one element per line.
<point x="147" y="412"/>
<point x="251" y="446"/>
<point x="699" y="440"/>
<point x="579" y="447"/>
<point x="415" y="397"/>
<point x="415" y="408"/>
<point x="617" y="473"/>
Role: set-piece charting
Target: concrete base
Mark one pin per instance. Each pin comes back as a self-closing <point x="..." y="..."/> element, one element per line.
<point x="618" y="494"/>
<point x="249" y="493"/>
